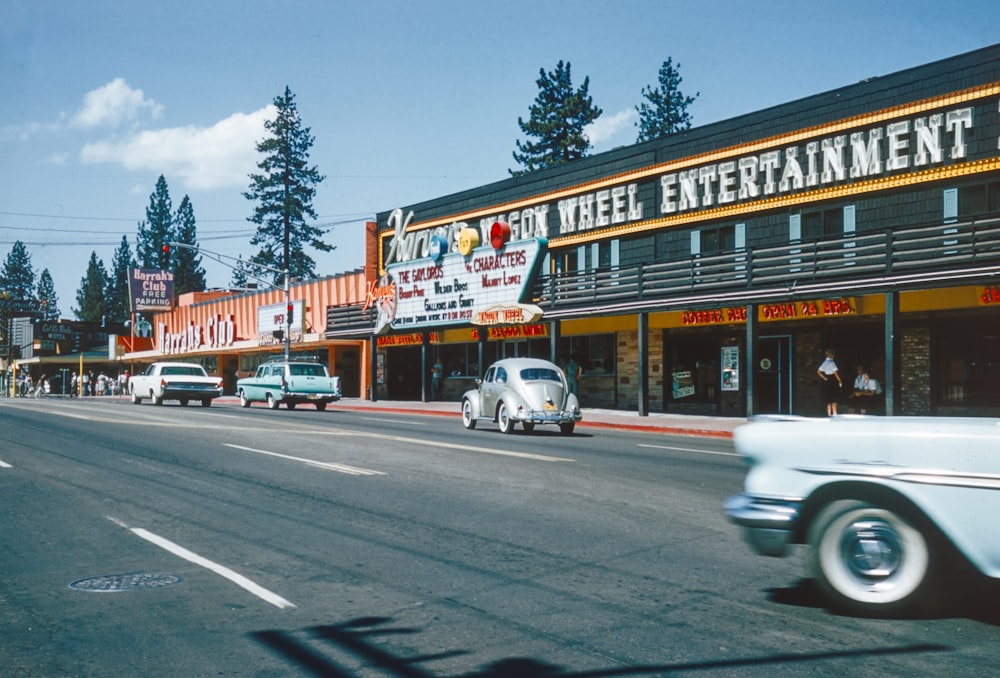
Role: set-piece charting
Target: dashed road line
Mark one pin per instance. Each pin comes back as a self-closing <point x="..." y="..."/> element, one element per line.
<point x="330" y="466"/>
<point x="691" y="449"/>
<point x="221" y="570"/>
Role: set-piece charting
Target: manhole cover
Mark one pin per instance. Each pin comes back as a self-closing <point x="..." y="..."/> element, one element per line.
<point x="112" y="583"/>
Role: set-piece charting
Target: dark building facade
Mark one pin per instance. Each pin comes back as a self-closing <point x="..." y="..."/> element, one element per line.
<point x="707" y="272"/>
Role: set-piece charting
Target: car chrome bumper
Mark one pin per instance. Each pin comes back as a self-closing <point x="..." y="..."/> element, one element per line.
<point x="192" y="392"/>
<point x="309" y="397"/>
<point x="548" y="416"/>
<point x="767" y="523"/>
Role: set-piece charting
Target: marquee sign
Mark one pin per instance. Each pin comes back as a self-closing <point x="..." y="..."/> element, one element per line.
<point x="271" y="318"/>
<point x="455" y="288"/>
<point x="890" y="145"/>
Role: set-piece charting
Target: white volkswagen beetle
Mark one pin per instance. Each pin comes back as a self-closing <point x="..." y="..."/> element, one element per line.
<point x="885" y="504"/>
<point x="528" y="391"/>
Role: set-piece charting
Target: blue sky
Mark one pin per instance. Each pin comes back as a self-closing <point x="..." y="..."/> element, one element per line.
<point x="407" y="101"/>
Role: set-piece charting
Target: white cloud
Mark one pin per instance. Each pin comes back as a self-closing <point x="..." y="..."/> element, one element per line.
<point x="606" y="127"/>
<point x="113" y="104"/>
<point x="203" y="158"/>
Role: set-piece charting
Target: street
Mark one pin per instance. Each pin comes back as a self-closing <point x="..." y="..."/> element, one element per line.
<point x="173" y="541"/>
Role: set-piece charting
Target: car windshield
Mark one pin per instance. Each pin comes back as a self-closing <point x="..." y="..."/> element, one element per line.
<point x="307" y="370"/>
<point x="539" y="374"/>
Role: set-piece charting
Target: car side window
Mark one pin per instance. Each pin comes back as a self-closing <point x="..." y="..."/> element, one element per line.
<point x="488" y="379"/>
<point x="501" y="375"/>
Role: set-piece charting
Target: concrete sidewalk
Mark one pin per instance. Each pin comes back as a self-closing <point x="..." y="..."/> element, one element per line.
<point x="674" y="424"/>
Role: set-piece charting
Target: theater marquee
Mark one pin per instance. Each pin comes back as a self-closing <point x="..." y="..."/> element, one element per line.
<point x="457" y="289"/>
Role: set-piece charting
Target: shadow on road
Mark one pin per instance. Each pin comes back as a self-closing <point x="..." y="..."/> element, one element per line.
<point x="310" y="650"/>
<point x="974" y="598"/>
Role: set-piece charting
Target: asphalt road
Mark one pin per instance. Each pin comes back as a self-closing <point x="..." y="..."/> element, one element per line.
<point x="170" y="541"/>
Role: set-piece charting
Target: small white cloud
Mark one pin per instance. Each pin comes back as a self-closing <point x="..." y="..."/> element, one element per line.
<point x="203" y="158"/>
<point x="113" y="104"/>
<point x="606" y="127"/>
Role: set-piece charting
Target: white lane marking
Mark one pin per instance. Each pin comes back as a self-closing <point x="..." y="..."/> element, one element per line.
<point x="220" y="570"/>
<point x="398" y="421"/>
<point x="339" y="468"/>
<point x="329" y="431"/>
<point x="689" y="449"/>
<point x="4" y="464"/>
<point x="455" y="446"/>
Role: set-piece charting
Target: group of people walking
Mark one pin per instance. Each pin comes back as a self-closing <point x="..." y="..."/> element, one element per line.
<point x="863" y="395"/>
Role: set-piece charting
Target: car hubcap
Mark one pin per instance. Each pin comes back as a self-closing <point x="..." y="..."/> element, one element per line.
<point x="872" y="550"/>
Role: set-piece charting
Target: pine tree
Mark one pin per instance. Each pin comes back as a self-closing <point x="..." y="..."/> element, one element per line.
<point x="157" y="230"/>
<point x="90" y="296"/>
<point x="17" y="277"/>
<point x="189" y="276"/>
<point x="284" y="193"/>
<point x="667" y="111"/>
<point x="48" y="302"/>
<point x="240" y="274"/>
<point x="558" y="121"/>
<point x="119" y="306"/>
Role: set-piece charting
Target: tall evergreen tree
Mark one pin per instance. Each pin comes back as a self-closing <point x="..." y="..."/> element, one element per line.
<point x="558" y="121"/>
<point x="90" y="297"/>
<point x="667" y="110"/>
<point x="157" y="230"/>
<point x="48" y="302"/>
<point x="189" y="276"/>
<point x="119" y="306"/>
<point x="284" y="192"/>
<point x="17" y="277"/>
<point x="240" y="274"/>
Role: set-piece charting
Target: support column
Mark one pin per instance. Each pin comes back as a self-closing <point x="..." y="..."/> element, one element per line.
<point x="750" y="362"/>
<point x="643" y="366"/>
<point x="425" y="345"/>
<point x="483" y="335"/>
<point x="373" y="368"/>
<point x="554" y="336"/>
<point x="891" y="352"/>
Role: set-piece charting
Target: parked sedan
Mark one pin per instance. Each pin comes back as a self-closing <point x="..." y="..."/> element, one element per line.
<point x="528" y="391"/>
<point x="887" y="506"/>
<point x="290" y="382"/>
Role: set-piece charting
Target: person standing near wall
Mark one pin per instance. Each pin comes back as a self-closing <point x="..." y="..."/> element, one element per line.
<point x="829" y="372"/>
<point x="437" y="374"/>
<point x="573" y="371"/>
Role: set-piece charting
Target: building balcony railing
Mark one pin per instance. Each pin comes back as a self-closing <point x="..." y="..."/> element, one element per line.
<point x="942" y="253"/>
<point x="963" y="252"/>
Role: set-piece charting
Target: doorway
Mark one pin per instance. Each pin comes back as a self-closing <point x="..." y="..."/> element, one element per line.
<point x="403" y="378"/>
<point x="773" y="378"/>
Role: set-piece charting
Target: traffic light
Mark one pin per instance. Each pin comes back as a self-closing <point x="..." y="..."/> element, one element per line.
<point x="291" y="313"/>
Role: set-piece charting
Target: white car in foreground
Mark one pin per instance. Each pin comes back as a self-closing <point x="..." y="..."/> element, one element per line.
<point x="885" y="504"/>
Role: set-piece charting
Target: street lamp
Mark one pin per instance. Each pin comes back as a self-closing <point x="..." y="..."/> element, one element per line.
<point x="215" y="256"/>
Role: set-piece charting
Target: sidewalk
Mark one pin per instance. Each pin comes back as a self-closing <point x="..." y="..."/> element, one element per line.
<point x="673" y="424"/>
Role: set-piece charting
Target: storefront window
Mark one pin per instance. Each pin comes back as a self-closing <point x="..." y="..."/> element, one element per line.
<point x="969" y="373"/>
<point x="693" y="370"/>
<point x="595" y="353"/>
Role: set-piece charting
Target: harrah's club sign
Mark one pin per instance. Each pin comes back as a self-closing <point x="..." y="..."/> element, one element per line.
<point x="473" y="285"/>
